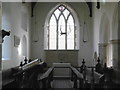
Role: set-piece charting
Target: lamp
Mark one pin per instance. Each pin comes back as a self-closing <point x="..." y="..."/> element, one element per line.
<point x="5" y="33"/>
<point x="85" y="33"/>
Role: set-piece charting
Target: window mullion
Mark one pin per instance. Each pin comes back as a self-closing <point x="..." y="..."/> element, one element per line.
<point x="74" y="37"/>
<point x="56" y="32"/>
<point x="48" y="37"/>
<point x="66" y="34"/>
<point x="57" y="35"/>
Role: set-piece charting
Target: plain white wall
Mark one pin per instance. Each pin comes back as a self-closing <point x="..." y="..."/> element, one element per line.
<point x="6" y="20"/>
<point x="40" y="13"/>
<point x="14" y="12"/>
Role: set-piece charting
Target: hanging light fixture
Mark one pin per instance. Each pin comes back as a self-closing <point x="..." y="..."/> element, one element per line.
<point x="85" y="37"/>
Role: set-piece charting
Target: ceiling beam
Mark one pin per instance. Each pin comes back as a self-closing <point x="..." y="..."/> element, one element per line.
<point x="32" y="8"/>
<point x="90" y="8"/>
<point x="98" y="5"/>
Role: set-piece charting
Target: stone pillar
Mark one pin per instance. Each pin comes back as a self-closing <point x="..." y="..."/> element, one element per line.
<point x="0" y="64"/>
<point x="0" y="46"/>
<point x="29" y="54"/>
<point x="0" y="35"/>
<point x="119" y="35"/>
<point x="103" y="52"/>
<point x="118" y="74"/>
<point x="115" y="54"/>
<point x="0" y="56"/>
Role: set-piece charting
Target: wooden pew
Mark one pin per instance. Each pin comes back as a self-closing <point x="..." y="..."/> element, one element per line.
<point x="111" y="77"/>
<point x="115" y="78"/>
<point x="27" y="73"/>
<point x="105" y="80"/>
<point x="91" y="77"/>
<point x="46" y="78"/>
<point x="7" y="78"/>
<point x="76" y="75"/>
<point x="99" y="67"/>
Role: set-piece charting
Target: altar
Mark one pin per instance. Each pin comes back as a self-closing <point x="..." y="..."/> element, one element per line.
<point x="61" y="70"/>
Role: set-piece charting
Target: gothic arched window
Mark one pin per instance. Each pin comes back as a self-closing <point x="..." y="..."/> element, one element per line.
<point x="61" y="34"/>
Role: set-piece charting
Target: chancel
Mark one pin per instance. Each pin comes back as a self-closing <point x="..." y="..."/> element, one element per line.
<point x="53" y="45"/>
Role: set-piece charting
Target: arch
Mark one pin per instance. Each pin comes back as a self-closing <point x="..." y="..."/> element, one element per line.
<point x="105" y="49"/>
<point x="65" y="4"/>
<point x="115" y="36"/>
<point x="24" y="46"/>
<point x="114" y="32"/>
<point x="104" y="32"/>
<point x="48" y="19"/>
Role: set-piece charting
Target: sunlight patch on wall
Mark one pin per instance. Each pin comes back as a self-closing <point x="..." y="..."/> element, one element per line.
<point x="19" y="49"/>
<point x="109" y="56"/>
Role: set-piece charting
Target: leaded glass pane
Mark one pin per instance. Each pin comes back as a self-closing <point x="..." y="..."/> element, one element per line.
<point x="52" y="33"/>
<point x="61" y="8"/>
<point x="61" y="30"/>
<point x="66" y="13"/>
<point x="70" y="33"/>
<point x="57" y="13"/>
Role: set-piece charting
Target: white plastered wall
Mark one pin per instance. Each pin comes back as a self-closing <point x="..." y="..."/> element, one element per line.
<point x="14" y="13"/>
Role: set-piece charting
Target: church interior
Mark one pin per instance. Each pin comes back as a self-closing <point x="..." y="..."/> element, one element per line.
<point x="54" y="45"/>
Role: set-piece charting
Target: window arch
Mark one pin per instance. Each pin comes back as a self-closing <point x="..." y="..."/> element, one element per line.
<point x="61" y="33"/>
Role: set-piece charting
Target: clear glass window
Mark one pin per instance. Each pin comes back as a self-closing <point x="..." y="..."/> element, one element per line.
<point x="61" y="30"/>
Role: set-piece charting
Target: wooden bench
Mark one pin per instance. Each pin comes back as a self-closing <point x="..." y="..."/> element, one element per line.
<point x="76" y="75"/>
<point x="112" y="77"/>
<point x="7" y="77"/>
<point x="27" y="76"/>
<point x="46" y="78"/>
<point x="116" y="78"/>
<point x="92" y="77"/>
